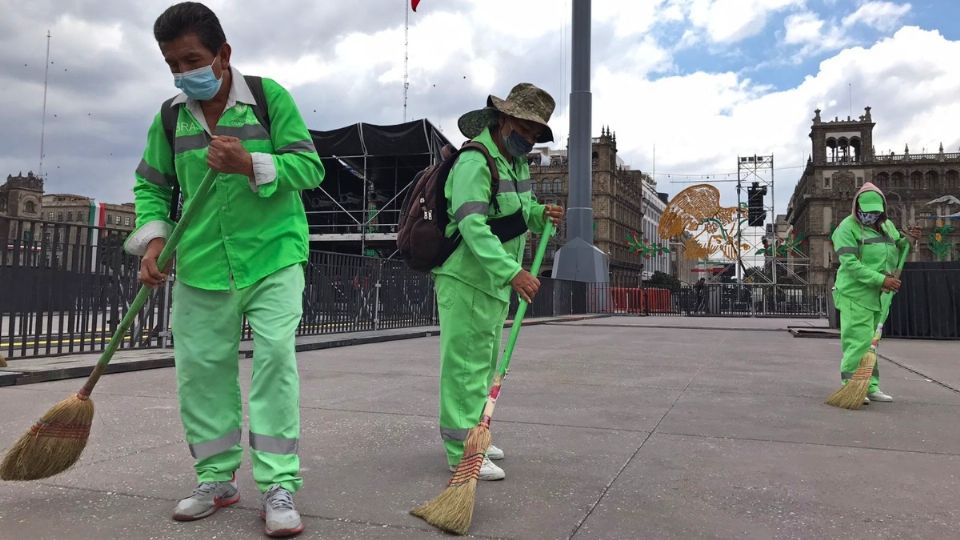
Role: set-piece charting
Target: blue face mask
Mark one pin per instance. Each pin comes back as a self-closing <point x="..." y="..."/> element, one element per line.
<point x="516" y="145"/>
<point x="200" y="84"/>
<point x="868" y="218"/>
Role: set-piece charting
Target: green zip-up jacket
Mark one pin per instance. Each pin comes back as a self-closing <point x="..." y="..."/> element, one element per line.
<point x="249" y="228"/>
<point x="866" y="256"/>
<point x="481" y="260"/>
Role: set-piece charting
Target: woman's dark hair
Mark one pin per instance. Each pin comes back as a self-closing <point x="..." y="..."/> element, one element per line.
<point x="190" y="18"/>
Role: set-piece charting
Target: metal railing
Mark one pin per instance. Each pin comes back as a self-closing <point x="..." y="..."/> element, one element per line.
<point x="64" y="289"/>
<point x="67" y="291"/>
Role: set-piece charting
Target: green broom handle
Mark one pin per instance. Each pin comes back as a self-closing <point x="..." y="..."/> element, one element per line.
<point x="198" y="200"/>
<point x="522" y="308"/>
<point x="886" y="298"/>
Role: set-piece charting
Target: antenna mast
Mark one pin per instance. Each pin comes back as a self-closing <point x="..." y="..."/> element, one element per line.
<point x="43" y="120"/>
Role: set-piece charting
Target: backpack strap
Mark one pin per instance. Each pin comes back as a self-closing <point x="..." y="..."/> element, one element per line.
<point x="169" y="114"/>
<point x="492" y="165"/>
<point x="260" y="110"/>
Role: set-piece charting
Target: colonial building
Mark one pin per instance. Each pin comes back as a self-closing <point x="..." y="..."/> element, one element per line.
<point x="55" y="224"/>
<point x="617" y="202"/>
<point x="922" y="190"/>
<point x="20" y="198"/>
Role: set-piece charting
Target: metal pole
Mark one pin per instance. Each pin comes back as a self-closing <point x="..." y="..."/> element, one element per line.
<point x="165" y="314"/>
<point x="43" y="120"/>
<point x="579" y="259"/>
<point x="406" y="56"/>
<point x="773" y="212"/>
<point x="739" y="210"/>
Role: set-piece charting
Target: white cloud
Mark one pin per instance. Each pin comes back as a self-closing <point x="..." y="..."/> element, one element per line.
<point x="884" y="16"/>
<point x="802" y="28"/>
<point x="730" y="21"/>
<point x="816" y="36"/>
<point x="701" y="121"/>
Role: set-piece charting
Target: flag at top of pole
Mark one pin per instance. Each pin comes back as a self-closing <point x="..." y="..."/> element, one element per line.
<point x="414" y="4"/>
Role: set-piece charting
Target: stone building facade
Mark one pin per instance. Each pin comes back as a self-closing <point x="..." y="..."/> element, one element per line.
<point x="922" y="190"/>
<point x="617" y="201"/>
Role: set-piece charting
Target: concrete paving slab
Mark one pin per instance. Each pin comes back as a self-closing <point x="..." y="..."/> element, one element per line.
<point x="744" y="439"/>
<point x="903" y="425"/>
<point x="40" y="512"/>
<point x="372" y="468"/>
<point x="688" y="487"/>
<point x="938" y="360"/>
<point x="697" y="323"/>
<point x="121" y="426"/>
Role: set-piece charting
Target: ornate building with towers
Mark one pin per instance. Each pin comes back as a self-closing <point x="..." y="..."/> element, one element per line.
<point x="922" y="189"/>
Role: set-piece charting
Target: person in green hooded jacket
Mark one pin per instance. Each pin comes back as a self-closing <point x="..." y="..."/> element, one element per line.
<point x="474" y="284"/>
<point x="868" y="246"/>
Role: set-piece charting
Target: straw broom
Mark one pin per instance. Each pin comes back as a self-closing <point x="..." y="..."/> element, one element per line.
<point x="452" y="510"/>
<point x="55" y="442"/>
<point x="852" y="395"/>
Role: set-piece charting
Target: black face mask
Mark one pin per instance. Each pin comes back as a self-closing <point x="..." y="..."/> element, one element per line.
<point x="516" y="145"/>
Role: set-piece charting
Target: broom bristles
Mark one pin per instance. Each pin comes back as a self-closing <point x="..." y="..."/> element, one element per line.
<point x="452" y="510"/>
<point x="53" y="444"/>
<point x="852" y="394"/>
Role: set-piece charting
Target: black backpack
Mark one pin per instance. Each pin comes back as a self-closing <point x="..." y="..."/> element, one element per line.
<point x="170" y="114"/>
<point x="421" y="239"/>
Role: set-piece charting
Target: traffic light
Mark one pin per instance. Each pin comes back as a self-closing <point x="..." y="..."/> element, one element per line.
<point x="756" y="212"/>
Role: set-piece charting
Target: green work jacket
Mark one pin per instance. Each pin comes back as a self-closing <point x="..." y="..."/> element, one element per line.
<point x="481" y="260"/>
<point x="249" y="228"/>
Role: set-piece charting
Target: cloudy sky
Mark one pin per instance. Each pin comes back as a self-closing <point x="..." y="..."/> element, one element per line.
<point x="703" y="80"/>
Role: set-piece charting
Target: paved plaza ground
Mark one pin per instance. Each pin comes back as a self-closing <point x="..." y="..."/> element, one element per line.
<point x="633" y="428"/>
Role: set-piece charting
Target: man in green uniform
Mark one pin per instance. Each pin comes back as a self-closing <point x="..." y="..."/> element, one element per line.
<point x="868" y="246"/>
<point x="473" y="286"/>
<point x="242" y="256"/>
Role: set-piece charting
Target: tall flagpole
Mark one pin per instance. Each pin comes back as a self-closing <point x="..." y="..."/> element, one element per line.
<point x="43" y="120"/>
<point x="406" y="55"/>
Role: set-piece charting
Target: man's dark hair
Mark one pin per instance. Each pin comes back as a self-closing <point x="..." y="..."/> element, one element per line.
<point x="190" y="18"/>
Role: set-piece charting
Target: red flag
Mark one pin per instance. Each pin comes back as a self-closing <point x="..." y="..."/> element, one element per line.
<point x="414" y="4"/>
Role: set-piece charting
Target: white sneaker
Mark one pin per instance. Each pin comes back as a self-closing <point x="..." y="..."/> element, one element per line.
<point x="207" y="498"/>
<point x="488" y="470"/>
<point x="279" y="514"/>
<point x="879" y="396"/>
<point x="866" y="401"/>
<point x="494" y="453"/>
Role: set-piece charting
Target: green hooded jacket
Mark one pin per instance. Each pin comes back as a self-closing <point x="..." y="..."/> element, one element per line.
<point x="866" y="256"/>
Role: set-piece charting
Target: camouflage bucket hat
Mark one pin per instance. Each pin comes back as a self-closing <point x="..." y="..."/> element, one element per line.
<point x="525" y="102"/>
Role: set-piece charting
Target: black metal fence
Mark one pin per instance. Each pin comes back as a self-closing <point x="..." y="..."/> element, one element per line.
<point x="64" y="289"/>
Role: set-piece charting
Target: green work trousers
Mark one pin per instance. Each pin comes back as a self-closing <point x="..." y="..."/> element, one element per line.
<point x="471" y="325"/>
<point x="857" y="327"/>
<point x="206" y="328"/>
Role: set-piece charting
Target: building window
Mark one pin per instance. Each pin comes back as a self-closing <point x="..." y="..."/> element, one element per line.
<point x="59" y="216"/>
<point x="30" y="207"/>
<point x="826" y="182"/>
<point x="69" y="217"/>
<point x="126" y="221"/>
<point x="50" y="216"/>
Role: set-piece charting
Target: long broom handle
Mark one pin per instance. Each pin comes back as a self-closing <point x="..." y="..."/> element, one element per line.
<point x="198" y="200"/>
<point x="522" y="308"/>
<point x="886" y="297"/>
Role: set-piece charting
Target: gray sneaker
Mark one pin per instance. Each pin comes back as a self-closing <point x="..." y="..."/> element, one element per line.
<point x="879" y="397"/>
<point x="279" y="513"/>
<point x="206" y="499"/>
<point x="494" y="453"/>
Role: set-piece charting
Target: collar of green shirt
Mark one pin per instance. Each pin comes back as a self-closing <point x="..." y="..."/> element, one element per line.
<point x="239" y="93"/>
